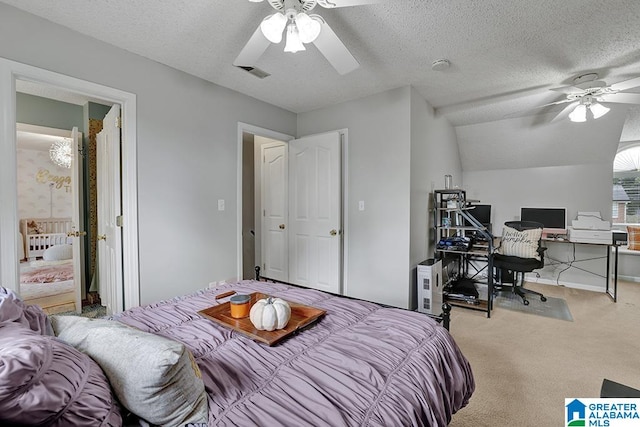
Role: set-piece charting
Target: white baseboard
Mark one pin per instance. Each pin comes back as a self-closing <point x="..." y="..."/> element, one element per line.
<point x="534" y="279"/>
<point x="629" y="278"/>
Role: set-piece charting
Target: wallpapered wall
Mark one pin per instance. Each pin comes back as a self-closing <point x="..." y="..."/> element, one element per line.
<point x="44" y="189"/>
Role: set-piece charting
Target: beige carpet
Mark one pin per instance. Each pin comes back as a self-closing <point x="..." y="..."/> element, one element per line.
<point x="526" y="365"/>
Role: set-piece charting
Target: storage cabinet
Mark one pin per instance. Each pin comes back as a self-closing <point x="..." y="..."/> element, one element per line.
<point x="462" y="243"/>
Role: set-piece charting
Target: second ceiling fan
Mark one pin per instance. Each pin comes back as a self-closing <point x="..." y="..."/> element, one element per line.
<point x="293" y="21"/>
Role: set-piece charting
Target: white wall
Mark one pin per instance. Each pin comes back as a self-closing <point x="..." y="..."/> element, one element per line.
<point x="434" y="153"/>
<point x="378" y="174"/>
<point x="187" y="149"/>
<point x="44" y="188"/>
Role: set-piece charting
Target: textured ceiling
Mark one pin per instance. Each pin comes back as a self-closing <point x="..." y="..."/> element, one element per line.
<point x="504" y="54"/>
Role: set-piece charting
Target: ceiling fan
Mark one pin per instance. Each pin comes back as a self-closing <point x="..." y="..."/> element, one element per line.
<point x="301" y="27"/>
<point x="587" y="96"/>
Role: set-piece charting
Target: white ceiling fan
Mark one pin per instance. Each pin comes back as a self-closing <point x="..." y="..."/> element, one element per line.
<point x="301" y="27"/>
<point x="587" y="96"/>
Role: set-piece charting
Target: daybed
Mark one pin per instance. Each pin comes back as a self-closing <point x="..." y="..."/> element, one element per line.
<point x="359" y="364"/>
<point x="42" y="233"/>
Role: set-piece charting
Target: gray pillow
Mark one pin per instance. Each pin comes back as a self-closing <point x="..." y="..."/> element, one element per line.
<point x="154" y="377"/>
<point x="44" y="381"/>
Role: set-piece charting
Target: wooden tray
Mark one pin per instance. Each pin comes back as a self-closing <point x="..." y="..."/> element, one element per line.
<point x="301" y="316"/>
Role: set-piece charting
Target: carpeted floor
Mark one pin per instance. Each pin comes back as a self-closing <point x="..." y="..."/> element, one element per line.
<point x="525" y="366"/>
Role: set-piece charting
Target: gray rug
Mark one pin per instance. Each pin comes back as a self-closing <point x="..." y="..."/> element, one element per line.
<point x="553" y="307"/>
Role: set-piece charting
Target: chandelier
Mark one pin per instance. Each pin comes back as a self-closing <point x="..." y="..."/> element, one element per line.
<point x="61" y="153"/>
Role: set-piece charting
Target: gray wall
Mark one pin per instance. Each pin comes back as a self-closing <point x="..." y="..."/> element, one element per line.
<point x="187" y="150"/>
<point x="434" y="153"/>
<point x="35" y="110"/>
<point x="378" y="174"/>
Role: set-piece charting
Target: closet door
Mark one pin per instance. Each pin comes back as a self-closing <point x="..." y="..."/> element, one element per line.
<point x="315" y="212"/>
<point x="109" y="213"/>
<point x="275" y="245"/>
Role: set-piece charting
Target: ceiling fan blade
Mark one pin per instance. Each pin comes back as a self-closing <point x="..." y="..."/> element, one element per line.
<point x="335" y="51"/>
<point x="345" y="3"/>
<point x="253" y="50"/>
<point x="568" y="89"/>
<point x="623" y="98"/>
<point x="627" y="84"/>
<point x="565" y="112"/>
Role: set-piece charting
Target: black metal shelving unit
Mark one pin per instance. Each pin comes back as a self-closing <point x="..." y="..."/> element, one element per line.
<point x="451" y="218"/>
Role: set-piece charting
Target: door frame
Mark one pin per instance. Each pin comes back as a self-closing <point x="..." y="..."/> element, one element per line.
<point x="267" y="133"/>
<point x="10" y="71"/>
<point x="254" y="130"/>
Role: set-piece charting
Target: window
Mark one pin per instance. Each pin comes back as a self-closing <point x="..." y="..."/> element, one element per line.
<point x="626" y="186"/>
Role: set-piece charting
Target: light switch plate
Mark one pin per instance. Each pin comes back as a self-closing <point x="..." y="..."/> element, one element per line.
<point x="361" y="205"/>
<point x="220" y="204"/>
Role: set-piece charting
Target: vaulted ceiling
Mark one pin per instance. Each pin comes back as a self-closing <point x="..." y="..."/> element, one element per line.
<point x="505" y="55"/>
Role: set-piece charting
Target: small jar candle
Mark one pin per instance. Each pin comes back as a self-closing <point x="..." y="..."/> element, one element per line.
<point x="240" y="306"/>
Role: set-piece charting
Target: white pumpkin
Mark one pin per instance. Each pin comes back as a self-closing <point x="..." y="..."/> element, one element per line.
<point x="270" y="313"/>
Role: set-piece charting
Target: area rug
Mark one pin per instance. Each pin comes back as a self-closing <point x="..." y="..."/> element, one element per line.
<point x="94" y="311"/>
<point x="556" y="308"/>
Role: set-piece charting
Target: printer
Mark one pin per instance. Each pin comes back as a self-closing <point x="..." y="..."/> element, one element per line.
<point x="589" y="227"/>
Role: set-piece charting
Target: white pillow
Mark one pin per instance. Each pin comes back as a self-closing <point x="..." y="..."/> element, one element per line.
<point x="154" y="377"/>
<point x="523" y="244"/>
<point x="58" y="253"/>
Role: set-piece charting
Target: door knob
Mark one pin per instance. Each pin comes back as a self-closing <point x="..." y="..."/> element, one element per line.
<point x="102" y="237"/>
<point x="281" y="226"/>
<point x="333" y="232"/>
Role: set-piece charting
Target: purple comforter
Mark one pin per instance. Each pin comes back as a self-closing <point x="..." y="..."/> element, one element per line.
<point x="359" y="365"/>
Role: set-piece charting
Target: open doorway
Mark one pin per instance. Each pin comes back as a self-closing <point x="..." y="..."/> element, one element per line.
<point x="292" y="207"/>
<point x="15" y="75"/>
<point x="51" y="271"/>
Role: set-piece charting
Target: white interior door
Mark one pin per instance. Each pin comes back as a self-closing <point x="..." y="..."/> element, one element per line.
<point x="109" y="213"/>
<point x="79" y="234"/>
<point x="274" y="211"/>
<point x="314" y="211"/>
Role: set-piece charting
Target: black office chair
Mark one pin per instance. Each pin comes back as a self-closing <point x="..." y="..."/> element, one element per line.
<point x="509" y="267"/>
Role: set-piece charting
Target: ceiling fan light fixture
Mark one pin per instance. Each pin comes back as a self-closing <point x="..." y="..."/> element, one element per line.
<point x="598" y="110"/>
<point x="293" y="44"/>
<point x="308" y="27"/>
<point x="273" y="26"/>
<point x="579" y="114"/>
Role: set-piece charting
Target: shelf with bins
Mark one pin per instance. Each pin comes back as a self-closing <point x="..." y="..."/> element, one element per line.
<point x="453" y="224"/>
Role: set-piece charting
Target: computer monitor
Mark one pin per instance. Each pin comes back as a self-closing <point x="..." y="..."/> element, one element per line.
<point x="481" y="213"/>
<point x="554" y="220"/>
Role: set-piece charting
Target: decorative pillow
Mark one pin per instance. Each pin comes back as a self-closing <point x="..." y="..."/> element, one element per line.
<point x="523" y="244"/>
<point x="44" y="381"/>
<point x="153" y="377"/>
<point x="633" y="237"/>
<point x="14" y="311"/>
<point x="58" y="253"/>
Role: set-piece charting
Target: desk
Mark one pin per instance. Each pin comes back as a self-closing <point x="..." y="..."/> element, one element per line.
<point x="611" y="291"/>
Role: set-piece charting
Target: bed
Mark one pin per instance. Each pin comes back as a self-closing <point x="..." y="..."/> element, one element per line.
<point x="42" y="233"/>
<point x="360" y="364"/>
<point x="49" y="285"/>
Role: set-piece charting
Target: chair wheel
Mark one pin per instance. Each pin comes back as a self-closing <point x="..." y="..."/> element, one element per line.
<point x="525" y="302"/>
<point x="543" y="299"/>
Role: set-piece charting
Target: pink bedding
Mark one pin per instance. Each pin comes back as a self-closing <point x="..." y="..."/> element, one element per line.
<point x="47" y="273"/>
<point x="360" y="364"/>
